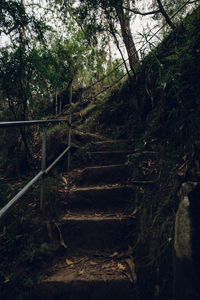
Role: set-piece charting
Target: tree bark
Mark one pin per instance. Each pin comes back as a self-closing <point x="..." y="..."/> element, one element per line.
<point x="127" y="35"/>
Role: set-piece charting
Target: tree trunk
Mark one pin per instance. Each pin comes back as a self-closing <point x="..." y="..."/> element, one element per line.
<point x="109" y="51"/>
<point x="120" y="51"/>
<point x="60" y="105"/>
<point x="56" y="103"/>
<point x="127" y="35"/>
<point x="23" y="94"/>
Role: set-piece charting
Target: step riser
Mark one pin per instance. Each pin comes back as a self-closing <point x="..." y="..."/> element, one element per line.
<point x="106" y="175"/>
<point x="98" y="235"/>
<point x="112" y="146"/>
<point x="109" y="158"/>
<point x="84" y="290"/>
<point x="90" y="199"/>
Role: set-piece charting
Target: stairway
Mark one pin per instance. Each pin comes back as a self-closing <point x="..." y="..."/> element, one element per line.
<point x="98" y="231"/>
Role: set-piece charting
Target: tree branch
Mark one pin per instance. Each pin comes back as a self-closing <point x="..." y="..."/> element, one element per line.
<point x="137" y="12"/>
<point x="194" y="1"/>
<point x="165" y="15"/>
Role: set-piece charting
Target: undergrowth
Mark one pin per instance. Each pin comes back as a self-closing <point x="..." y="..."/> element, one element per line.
<point x="24" y="242"/>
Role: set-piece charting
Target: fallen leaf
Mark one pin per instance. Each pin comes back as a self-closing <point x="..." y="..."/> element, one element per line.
<point x="64" y="179"/>
<point x="121" y="267"/>
<point x="97" y="215"/>
<point x="114" y="254"/>
<point x="6" y="280"/>
<point x="69" y="262"/>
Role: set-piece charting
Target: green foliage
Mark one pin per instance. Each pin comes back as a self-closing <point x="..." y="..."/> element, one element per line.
<point x="170" y="73"/>
<point x="24" y="244"/>
<point x="34" y="252"/>
<point x="12" y="15"/>
<point x="14" y="19"/>
<point x="174" y="6"/>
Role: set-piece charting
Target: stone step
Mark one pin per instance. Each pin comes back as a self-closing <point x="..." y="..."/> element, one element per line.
<point x="111" y="145"/>
<point x="108" y="157"/>
<point x="89" y="230"/>
<point x="86" y="278"/>
<point x="101" y="196"/>
<point x="86" y="137"/>
<point x="103" y="174"/>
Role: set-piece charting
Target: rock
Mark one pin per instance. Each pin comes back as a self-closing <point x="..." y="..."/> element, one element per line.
<point x="187" y="244"/>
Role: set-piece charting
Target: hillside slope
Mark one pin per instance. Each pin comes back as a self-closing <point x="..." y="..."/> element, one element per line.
<point x="160" y="111"/>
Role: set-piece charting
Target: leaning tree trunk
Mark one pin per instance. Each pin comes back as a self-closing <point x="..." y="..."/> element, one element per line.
<point x="165" y="15"/>
<point x="120" y="51"/>
<point x="127" y="35"/>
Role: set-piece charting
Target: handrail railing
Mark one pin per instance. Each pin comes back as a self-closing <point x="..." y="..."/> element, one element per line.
<point x="44" y="169"/>
<point x="32" y="122"/>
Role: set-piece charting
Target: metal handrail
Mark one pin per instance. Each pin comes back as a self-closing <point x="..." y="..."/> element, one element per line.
<point x="44" y="170"/>
<point x="7" y="207"/>
<point x="32" y="122"/>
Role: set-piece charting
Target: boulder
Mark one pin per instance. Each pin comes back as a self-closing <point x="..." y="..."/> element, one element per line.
<point x="187" y="243"/>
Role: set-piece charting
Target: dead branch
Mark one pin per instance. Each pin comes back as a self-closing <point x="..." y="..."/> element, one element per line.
<point x="137" y="12"/>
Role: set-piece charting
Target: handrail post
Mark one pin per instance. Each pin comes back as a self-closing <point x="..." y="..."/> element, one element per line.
<point x="43" y="165"/>
<point x="70" y="126"/>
